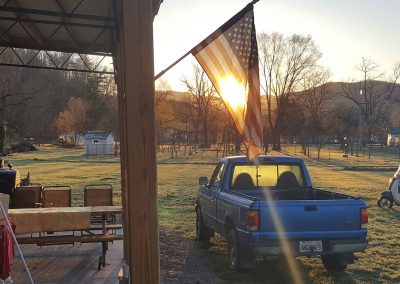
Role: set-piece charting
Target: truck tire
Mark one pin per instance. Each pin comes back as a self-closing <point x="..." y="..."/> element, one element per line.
<point x="203" y="233"/>
<point x="234" y="259"/>
<point x="238" y="259"/>
<point x="333" y="263"/>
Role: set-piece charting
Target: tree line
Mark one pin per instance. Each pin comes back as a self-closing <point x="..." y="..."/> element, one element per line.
<point x="39" y="104"/>
<point x="299" y="103"/>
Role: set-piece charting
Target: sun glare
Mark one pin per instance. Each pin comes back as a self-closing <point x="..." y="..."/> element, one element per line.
<point x="233" y="93"/>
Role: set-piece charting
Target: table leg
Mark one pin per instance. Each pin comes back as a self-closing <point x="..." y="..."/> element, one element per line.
<point x="104" y="223"/>
<point x="104" y="245"/>
<point x="104" y="251"/>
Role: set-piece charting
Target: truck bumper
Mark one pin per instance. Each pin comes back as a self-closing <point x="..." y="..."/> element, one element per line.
<point x="329" y="247"/>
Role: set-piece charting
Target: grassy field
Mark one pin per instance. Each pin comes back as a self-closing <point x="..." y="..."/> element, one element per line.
<point x="66" y="166"/>
<point x="177" y="187"/>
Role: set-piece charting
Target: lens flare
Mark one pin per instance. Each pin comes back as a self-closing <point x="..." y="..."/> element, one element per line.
<point x="233" y="93"/>
<point x="284" y="242"/>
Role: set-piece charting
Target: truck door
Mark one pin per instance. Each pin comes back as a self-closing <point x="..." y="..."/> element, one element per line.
<point x="209" y="206"/>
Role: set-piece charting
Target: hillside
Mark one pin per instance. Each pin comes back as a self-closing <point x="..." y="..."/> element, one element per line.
<point x="336" y="91"/>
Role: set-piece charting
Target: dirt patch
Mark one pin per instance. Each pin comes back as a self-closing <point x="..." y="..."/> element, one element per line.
<point x="182" y="261"/>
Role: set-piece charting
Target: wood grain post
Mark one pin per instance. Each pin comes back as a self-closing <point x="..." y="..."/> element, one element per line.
<point x="122" y="117"/>
<point x="140" y="171"/>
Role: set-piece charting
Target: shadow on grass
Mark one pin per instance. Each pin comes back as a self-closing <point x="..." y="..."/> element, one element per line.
<point x="357" y="276"/>
<point x="345" y="278"/>
<point x="69" y="159"/>
<point x="391" y="213"/>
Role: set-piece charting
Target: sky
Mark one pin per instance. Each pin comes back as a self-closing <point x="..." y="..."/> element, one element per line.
<point x="344" y="30"/>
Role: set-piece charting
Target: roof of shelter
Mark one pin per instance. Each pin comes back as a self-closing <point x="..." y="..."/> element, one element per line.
<point x="83" y="26"/>
<point x="70" y="26"/>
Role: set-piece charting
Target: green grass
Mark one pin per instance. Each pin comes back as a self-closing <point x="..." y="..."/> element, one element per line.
<point x="177" y="189"/>
<point x="65" y="166"/>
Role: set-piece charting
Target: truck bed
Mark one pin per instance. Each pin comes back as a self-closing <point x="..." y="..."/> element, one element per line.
<point x="293" y="194"/>
<point x="304" y="210"/>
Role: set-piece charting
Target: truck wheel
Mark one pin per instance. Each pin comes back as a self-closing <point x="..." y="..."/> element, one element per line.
<point x="333" y="264"/>
<point x="234" y="258"/>
<point x="202" y="232"/>
<point x="385" y="202"/>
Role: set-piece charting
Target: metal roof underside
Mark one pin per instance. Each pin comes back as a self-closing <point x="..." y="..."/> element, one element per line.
<point x="74" y="27"/>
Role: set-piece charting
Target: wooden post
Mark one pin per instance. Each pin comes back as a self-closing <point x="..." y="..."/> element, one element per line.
<point x="122" y="117"/>
<point x="136" y="68"/>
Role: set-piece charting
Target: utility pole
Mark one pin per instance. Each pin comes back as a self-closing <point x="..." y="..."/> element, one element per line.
<point x="359" y="124"/>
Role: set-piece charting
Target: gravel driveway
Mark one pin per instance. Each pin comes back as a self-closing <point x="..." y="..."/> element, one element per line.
<point x="182" y="261"/>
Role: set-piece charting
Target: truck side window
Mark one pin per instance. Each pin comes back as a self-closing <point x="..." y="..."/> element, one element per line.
<point x="216" y="178"/>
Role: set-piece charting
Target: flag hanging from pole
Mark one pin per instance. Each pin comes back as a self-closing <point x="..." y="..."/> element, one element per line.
<point x="229" y="56"/>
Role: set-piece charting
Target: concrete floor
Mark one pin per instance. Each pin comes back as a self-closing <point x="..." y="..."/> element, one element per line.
<point x="68" y="264"/>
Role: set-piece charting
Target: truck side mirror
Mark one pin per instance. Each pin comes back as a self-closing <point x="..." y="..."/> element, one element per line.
<point x="203" y="180"/>
<point x="10" y="166"/>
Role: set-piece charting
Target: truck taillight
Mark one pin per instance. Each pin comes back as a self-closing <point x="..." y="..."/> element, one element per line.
<point x="253" y="220"/>
<point x="364" y="218"/>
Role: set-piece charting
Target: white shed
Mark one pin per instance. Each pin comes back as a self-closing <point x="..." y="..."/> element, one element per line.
<point x="393" y="137"/>
<point x="99" y="143"/>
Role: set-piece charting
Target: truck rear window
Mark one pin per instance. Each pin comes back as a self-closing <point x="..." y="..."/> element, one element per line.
<point x="267" y="176"/>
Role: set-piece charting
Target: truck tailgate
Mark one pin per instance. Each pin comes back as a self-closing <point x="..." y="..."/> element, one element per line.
<point x="295" y="217"/>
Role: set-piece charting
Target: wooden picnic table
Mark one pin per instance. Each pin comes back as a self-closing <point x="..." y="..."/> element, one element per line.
<point x="49" y="226"/>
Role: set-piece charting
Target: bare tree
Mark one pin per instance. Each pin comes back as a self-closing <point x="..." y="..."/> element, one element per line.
<point x="372" y="95"/>
<point x="107" y="85"/>
<point x="164" y="112"/>
<point x="13" y="94"/>
<point x="285" y="63"/>
<point x="343" y="123"/>
<point x="314" y="101"/>
<point x="31" y="99"/>
<point x="163" y="88"/>
<point x="201" y="101"/>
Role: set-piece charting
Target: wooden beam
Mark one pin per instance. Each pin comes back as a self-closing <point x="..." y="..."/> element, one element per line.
<point x="137" y="71"/>
<point x="66" y="239"/>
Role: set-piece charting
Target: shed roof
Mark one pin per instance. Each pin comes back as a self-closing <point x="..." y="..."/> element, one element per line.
<point x="97" y="135"/>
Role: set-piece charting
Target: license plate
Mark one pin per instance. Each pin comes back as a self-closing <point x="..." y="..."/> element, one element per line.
<point x="310" y="246"/>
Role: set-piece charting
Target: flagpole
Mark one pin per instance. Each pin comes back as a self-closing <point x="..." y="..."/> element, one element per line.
<point x="172" y="65"/>
<point x="186" y="54"/>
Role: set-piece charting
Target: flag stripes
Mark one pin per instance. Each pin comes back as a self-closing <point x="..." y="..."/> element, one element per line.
<point x="229" y="57"/>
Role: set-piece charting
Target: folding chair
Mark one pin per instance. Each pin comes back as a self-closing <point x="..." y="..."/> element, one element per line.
<point x="98" y="195"/>
<point x="28" y="196"/>
<point x="56" y="196"/>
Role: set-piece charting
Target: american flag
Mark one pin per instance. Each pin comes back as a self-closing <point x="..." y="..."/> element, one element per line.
<point x="229" y="56"/>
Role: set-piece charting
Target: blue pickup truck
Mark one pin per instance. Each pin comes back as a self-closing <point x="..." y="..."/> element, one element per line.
<point x="268" y="207"/>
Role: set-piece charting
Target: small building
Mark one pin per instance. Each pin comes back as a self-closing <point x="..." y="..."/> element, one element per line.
<point x="99" y="143"/>
<point x="393" y="137"/>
